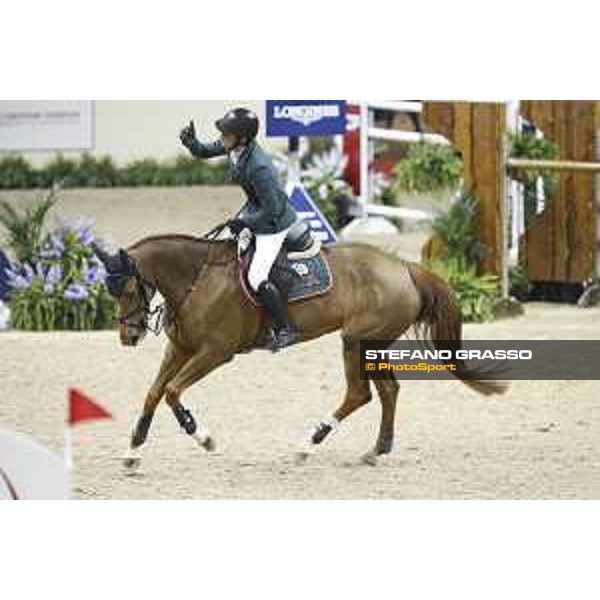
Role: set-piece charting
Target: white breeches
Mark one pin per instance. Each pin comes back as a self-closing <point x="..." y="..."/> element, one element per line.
<point x="267" y="249"/>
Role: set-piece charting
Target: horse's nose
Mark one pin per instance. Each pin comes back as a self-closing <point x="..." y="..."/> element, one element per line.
<point x="128" y="337"/>
<point x="134" y="337"/>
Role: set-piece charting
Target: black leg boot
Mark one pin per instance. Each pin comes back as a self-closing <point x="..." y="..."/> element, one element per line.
<point x="285" y="333"/>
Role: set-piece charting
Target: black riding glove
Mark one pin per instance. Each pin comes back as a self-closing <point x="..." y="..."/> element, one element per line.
<point x="188" y="135"/>
<point x="236" y="226"/>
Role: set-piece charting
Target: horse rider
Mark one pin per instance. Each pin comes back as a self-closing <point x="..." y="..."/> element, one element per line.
<point x="267" y="213"/>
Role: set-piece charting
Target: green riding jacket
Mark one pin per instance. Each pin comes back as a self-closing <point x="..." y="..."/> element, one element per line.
<point x="268" y="209"/>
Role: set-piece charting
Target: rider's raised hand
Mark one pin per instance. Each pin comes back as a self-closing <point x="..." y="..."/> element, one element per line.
<point x="188" y="135"/>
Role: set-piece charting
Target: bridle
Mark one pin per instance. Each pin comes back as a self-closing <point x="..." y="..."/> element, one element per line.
<point x="144" y="307"/>
<point x="146" y="291"/>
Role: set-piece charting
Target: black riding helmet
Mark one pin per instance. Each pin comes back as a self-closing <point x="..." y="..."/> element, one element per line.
<point x="239" y="121"/>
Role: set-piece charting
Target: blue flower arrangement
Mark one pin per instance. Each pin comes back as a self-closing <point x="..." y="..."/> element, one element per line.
<point x="62" y="286"/>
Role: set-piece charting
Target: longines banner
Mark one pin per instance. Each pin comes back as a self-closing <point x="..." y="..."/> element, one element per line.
<point x="29" y="125"/>
<point x="297" y="118"/>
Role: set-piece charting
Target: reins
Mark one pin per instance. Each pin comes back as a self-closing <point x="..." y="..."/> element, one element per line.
<point x="144" y="307"/>
<point x="201" y="269"/>
<point x="159" y="312"/>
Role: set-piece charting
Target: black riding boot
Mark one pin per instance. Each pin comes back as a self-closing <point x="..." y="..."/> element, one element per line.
<point x="284" y="332"/>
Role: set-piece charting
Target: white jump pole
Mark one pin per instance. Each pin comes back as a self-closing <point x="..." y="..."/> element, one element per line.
<point x="369" y="133"/>
<point x="393" y="135"/>
<point x="405" y="106"/>
<point x="364" y="153"/>
<point x="515" y="194"/>
<point x="512" y="205"/>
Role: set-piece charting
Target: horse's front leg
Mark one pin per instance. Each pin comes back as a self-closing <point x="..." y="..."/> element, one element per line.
<point x="171" y="363"/>
<point x="208" y="358"/>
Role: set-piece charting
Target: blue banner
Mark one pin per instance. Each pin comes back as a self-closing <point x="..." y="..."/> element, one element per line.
<point x="297" y="118"/>
<point x="307" y="210"/>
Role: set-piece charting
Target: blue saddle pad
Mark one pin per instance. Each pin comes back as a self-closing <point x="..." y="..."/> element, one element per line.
<point x="314" y="279"/>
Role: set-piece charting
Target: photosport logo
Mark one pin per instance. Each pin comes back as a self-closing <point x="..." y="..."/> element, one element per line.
<point x="509" y="360"/>
<point x="297" y="118"/>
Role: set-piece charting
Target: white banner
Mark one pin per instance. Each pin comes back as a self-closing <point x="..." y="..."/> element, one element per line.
<point x="28" y="125"/>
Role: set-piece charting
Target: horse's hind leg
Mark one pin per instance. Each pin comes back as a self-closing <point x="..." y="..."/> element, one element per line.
<point x="387" y="390"/>
<point x="357" y="394"/>
<point x="171" y="363"/>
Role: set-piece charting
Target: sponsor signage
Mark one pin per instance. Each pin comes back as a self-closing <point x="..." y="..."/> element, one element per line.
<point x="297" y="118"/>
<point x="307" y="210"/>
<point x="46" y="125"/>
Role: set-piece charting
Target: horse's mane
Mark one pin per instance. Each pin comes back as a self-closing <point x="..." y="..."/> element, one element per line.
<point x="183" y="237"/>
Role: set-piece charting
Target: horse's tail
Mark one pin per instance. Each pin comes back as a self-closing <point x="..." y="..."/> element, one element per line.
<point x="440" y="320"/>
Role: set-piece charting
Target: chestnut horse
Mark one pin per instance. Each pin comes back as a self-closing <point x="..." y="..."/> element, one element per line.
<point x="208" y="320"/>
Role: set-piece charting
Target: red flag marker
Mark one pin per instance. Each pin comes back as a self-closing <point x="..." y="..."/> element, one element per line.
<point x="83" y="408"/>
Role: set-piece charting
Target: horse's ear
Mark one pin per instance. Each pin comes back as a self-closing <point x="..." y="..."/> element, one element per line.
<point x="110" y="262"/>
<point x="127" y="263"/>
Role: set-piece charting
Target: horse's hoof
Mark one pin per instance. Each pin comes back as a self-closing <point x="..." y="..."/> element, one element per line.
<point x="300" y="458"/>
<point x="207" y="442"/>
<point x="131" y="464"/>
<point x="370" y="458"/>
